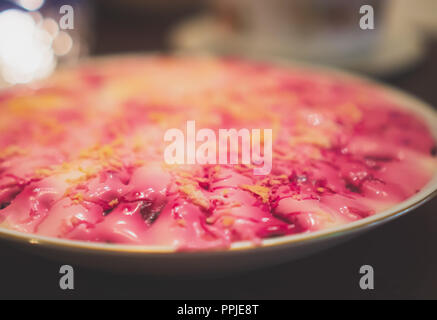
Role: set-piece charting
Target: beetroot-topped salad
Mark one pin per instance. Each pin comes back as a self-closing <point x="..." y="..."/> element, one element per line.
<point x="82" y="154"/>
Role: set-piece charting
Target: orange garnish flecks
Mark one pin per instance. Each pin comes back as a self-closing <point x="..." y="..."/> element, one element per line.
<point x="195" y="195"/>
<point x="262" y="192"/>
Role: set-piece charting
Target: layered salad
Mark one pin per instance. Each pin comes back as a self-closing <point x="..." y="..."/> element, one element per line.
<point x="82" y="153"/>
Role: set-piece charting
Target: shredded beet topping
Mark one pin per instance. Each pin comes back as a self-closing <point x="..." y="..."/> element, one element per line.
<point x="150" y="212"/>
<point x="352" y="187"/>
<point x="205" y="185"/>
<point x="4" y="205"/>
<point x="434" y="151"/>
<point x="108" y="212"/>
<point x="380" y="158"/>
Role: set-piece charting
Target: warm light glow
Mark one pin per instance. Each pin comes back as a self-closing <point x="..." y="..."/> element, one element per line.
<point x="62" y="44"/>
<point x="30" y="5"/>
<point x="51" y="26"/>
<point x="37" y="17"/>
<point x="25" y="48"/>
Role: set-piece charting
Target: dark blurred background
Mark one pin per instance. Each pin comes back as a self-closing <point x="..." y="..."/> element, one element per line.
<point x="401" y="51"/>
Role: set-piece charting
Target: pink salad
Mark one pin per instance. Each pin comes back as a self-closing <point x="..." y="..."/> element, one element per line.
<point x="81" y="154"/>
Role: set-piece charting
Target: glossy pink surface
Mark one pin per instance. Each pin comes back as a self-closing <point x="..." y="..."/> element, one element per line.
<point x="81" y="155"/>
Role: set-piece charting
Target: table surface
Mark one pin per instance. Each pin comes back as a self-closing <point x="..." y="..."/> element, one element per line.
<point x="403" y="252"/>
